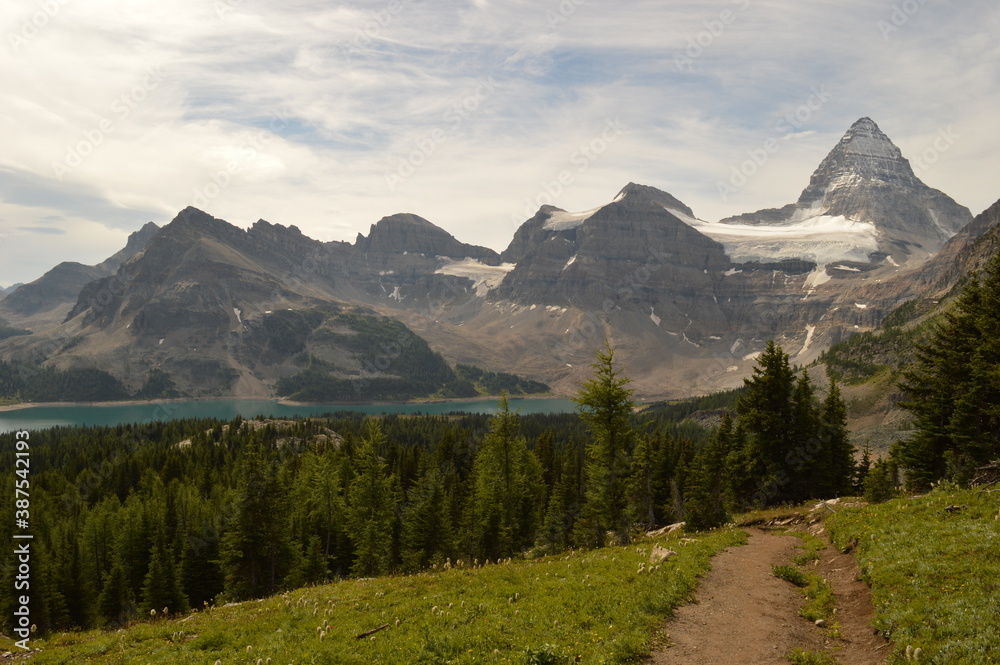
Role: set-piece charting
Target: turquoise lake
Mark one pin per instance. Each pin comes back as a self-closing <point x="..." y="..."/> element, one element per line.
<point x="42" y="417"/>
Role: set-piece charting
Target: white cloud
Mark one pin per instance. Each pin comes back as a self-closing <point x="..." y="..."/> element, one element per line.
<point x="303" y="109"/>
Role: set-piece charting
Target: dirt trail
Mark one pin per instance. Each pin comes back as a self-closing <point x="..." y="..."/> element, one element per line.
<point x="744" y="615"/>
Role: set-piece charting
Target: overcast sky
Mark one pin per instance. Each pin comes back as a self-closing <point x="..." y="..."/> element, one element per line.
<point x="471" y="113"/>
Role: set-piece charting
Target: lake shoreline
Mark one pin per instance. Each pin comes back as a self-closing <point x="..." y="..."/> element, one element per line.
<point x="6" y="408"/>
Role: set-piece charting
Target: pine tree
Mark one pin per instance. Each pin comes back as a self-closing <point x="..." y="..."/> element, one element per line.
<point x="426" y="527"/>
<point x="765" y="412"/>
<point x="161" y="588"/>
<point x="371" y="506"/>
<point x="839" y="477"/>
<point x="706" y="486"/>
<point x="116" y="603"/>
<point x="643" y="485"/>
<point x="953" y="388"/>
<point x="807" y="458"/>
<point x="862" y="470"/>
<point x="507" y="489"/>
<point x="606" y="406"/>
<point x="256" y="550"/>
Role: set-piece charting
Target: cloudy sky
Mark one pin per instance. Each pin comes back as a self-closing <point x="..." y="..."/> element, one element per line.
<point x="470" y="113"/>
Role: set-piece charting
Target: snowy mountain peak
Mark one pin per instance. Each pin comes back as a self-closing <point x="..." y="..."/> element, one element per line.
<point x="866" y="192"/>
<point x="863" y="153"/>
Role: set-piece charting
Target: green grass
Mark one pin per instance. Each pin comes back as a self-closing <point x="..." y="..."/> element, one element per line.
<point x="594" y="606"/>
<point x="790" y="574"/>
<point x="935" y="574"/>
<point x="800" y="657"/>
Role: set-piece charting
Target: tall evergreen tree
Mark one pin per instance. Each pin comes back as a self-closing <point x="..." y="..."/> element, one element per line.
<point x="765" y="411"/>
<point x="706" y="486"/>
<point x="507" y="489"/>
<point x="371" y="505"/>
<point x="161" y="589"/>
<point x="256" y="550"/>
<point x="953" y="388"/>
<point x="606" y="406"/>
<point x="840" y="468"/>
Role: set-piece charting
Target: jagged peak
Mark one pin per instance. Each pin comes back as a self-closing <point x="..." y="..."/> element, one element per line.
<point x="401" y="223"/>
<point x="634" y="191"/>
<point x="406" y="232"/>
<point x="864" y="153"/>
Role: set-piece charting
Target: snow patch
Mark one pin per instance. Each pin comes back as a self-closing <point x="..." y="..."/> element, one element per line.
<point x="753" y="356"/>
<point x="483" y="277"/>
<point x="162" y="340"/>
<point x="809" y="338"/>
<point x="817" y="277"/>
<point x="238" y="313"/>
<point x="891" y="261"/>
<point x="383" y="273"/>
<point x="861" y="305"/>
<point x="731" y="272"/>
<point x="822" y="239"/>
<point x="653" y="317"/>
<point x="561" y="220"/>
<point x="847" y="268"/>
<point x="571" y="261"/>
<point x="684" y="217"/>
<point x="396" y="295"/>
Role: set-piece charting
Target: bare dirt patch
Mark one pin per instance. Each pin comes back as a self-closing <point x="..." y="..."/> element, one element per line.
<point x="743" y="615"/>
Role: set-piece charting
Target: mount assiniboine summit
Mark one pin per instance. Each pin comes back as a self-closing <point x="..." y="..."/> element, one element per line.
<point x="688" y="303"/>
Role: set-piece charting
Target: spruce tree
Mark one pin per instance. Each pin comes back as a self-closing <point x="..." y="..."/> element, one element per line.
<point x="643" y="485"/>
<point x="256" y="550"/>
<point x="840" y="472"/>
<point x="953" y="388"/>
<point x="507" y="489"/>
<point x="765" y="412"/>
<point x="371" y="506"/>
<point x="706" y="484"/>
<point x="606" y="406"/>
<point x="161" y="589"/>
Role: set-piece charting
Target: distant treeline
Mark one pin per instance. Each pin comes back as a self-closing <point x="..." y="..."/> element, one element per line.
<point x="172" y="516"/>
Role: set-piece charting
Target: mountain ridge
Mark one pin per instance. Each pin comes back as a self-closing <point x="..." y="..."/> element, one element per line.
<point x="689" y="303"/>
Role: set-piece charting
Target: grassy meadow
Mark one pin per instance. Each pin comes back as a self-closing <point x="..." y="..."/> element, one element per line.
<point x="597" y="606"/>
<point x="933" y="563"/>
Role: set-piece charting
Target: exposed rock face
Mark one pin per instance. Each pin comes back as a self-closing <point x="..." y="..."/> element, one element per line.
<point x="401" y="233"/>
<point x="137" y="241"/>
<point x="58" y="286"/>
<point x="633" y="250"/>
<point x="866" y="180"/>
<point x="61" y="285"/>
<point x="688" y="303"/>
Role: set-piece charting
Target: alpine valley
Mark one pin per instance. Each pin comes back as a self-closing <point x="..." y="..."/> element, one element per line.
<point x="201" y="307"/>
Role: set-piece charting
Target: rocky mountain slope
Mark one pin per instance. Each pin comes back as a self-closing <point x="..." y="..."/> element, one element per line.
<point x="47" y="298"/>
<point x="688" y="303"/>
<point x="866" y="190"/>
